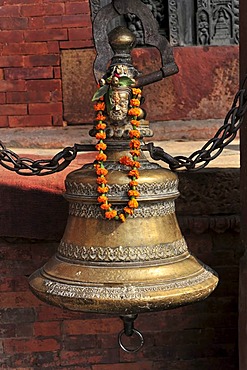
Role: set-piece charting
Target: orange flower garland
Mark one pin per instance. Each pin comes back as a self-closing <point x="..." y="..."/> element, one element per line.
<point x="132" y="162"/>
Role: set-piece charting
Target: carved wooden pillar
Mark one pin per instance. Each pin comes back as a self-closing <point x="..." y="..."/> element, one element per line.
<point x="243" y="264"/>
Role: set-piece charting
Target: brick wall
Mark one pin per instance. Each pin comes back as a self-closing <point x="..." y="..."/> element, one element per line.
<point x="33" y="33"/>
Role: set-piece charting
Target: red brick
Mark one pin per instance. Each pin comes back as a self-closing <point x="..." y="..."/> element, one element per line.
<point x="84" y="33"/>
<point x="13" y="109"/>
<point x="18" y="299"/>
<point x="14" y="97"/>
<point x="89" y="356"/>
<point x="34" y="96"/>
<point x="54" y="9"/>
<point x="56" y="96"/>
<point x="80" y="20"/>
<point x="24" y="330"/>
<point x="13" y="85"/>
<point x="30" y="121"/>
<point x="75" y="44"/>
<point x="41" y="60"/>
<point x="6" y="284"/>
<point x="45" y="35"/>
<point x="77" y="8"/>
<point x="57" y="72"/>
<point x="14" y="315"/>
<point x="49" y="85"/>
<point x="1" y="74"/>
<point x="10" y="36"/>
<point x="11" y="61"/>
<point x="47" y="329"/>
<point x="45" y="108"/>
<point x="53" y="21"/>
<point x="53" y="47"/>
<point x="2" y="98"/>
<point x="10" y="11"/>
<point x="32" y="10"/>
<point x="30" y="345"/>
<point x="3" y="121"/>
<point x="25" y="48"/>
<point x="77" y="327"/>
<point x="14" y="23"/>
<point x="36" y="23"/>
<point x="57" y="121"/>
<point x="7" y="330"/>
<point x="28" y="73"/>
<point x="39" y="96"/>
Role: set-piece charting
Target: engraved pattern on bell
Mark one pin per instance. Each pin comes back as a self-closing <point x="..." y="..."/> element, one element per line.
<point x="162" y="188"/>
<point x="143" y="211"/>
<point x="124" y="292"/>
<point x="123" y="253"/>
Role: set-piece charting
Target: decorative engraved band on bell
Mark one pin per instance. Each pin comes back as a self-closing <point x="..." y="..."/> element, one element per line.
<point x="123" y="253"/>
<point x="144" y="211"/>
<point x="124" y="292"/>
<point x="154" y="191"/>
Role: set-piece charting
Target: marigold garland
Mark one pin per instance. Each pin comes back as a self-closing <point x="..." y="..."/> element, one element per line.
<point x="132" y="162"/>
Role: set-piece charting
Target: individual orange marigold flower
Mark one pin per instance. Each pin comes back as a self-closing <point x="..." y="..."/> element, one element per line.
<point x="101" y="157"/>
<point x="133" y="203"/>
<point x="100" y="117"/>
<point x="136" y="91"/>
<point x="128" y="210"/>
<point x="100" y="136"/>
<point x="134" y="173"/>
<point x="133" y="193"/>
<point x="135" y="102"/>
<point x="102" y="199"/>
<point x="135" y="153"/>
<point x="134" y="112"/>
<point x="134" y="133"/>
<point x="134" y="122"/>
<point x="102" y="190"/>
<point x="101" y="171"/>
<point x="127" y="161"/>
<point x="135" y="144"/>
<point x="122" y="217"/>
<point x="133" y="183"/>
<point x="101" y="146"/>
<point x="99" y="106"/>
<point x="105" y="206"/>
<point x="111" y="214"/>
<point x="101" y="180"/>
<point x="136" y="164"/>
<point x="100" y="126"/>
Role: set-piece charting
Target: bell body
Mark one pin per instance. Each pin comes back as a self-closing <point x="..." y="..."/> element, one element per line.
<point x="107" y="266"/>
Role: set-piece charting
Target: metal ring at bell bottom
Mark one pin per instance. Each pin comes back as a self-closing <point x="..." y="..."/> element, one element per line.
<point x="125" y="349"/>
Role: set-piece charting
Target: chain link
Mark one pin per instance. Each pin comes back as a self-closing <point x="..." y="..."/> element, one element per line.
<point x="41" y="167"/>
<point x="214" y="147"/>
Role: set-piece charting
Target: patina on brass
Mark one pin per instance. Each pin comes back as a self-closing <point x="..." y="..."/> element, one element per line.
<point x="122" y="268"/>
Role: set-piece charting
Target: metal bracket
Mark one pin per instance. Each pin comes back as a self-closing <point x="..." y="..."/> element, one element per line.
<point x="151" y="37"/>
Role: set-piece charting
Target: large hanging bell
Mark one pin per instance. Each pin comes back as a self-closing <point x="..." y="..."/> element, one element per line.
<point x="140" y="265"/>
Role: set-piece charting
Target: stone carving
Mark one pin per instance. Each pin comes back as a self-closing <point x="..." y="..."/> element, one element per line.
<point x="151" y="210"/>
<point x="124" y="292"/>
<point x="123" y="253"/>
<point x="173" y="23"/>
<point x="217" y="22"/>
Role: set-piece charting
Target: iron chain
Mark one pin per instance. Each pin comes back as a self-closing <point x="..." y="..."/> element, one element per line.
<point x="213" y="148"/>
<point x="40" y="167"/>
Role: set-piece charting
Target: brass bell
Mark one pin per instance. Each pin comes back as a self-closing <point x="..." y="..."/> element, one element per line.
<point x="140" y="265"/>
